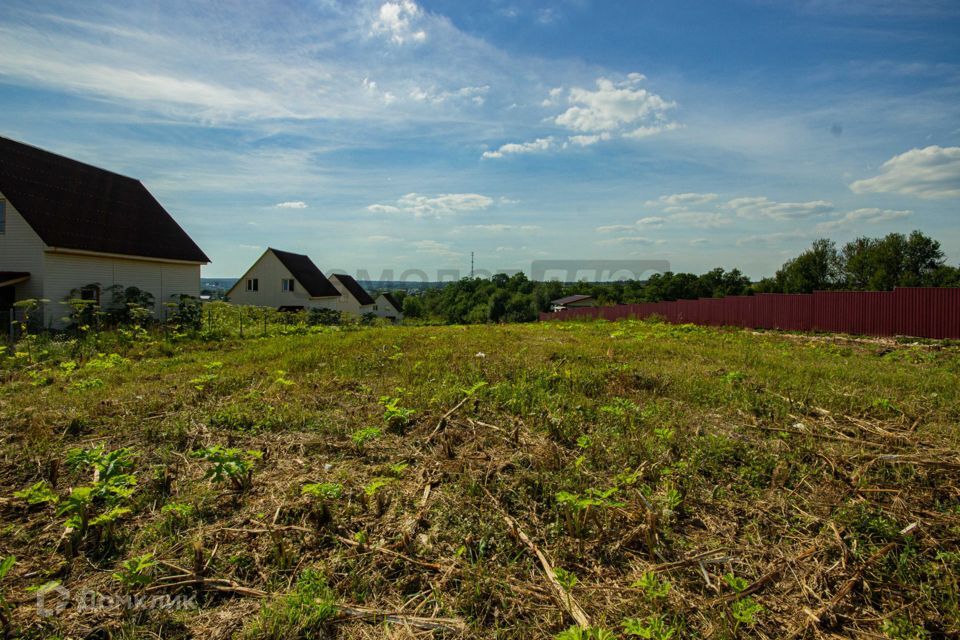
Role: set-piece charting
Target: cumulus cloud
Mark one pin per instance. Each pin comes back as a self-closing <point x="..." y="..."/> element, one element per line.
<point x="293" y="204"/>
<point x="864" y="216"/>
<point x="652" y="130"/>
<point x="540" y="144"/>
<point x="423" y="206"/>
<point x="931" y="172"/>
<point x="614" y="106"/>
<point x="614" y="109"/>
<point x="397" y="21"/>
<point x="682" y="200"/>
<point x="586" y="141"/>
<point x="763" y="207"/>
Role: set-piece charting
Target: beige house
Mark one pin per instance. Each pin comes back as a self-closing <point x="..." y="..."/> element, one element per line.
<point x="386" y="306"/>
<point x="285" y="280"/>
<point x="67" y="227"/>
<point x="353" y="298"/>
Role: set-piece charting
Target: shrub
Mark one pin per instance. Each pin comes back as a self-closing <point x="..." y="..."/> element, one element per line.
<point x="229" y="465"/>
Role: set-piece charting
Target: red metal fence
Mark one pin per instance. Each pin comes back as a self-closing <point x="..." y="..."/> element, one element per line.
<point x="918" y="312"/>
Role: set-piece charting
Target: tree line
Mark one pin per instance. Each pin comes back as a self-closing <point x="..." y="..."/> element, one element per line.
<point x="874" y="264"/>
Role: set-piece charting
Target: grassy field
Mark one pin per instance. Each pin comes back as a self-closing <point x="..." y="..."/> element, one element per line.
<point x="641" y="479"/>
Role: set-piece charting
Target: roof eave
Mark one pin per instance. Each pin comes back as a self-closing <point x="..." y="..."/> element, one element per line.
<point x="104" y="254"/>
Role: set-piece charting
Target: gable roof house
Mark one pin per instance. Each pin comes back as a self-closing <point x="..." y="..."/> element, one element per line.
<point x="388" y="307"/>
<point x="285" y="280"/>
<point x="353" y="298"/>
<point x="572" y="302"/>
<point x="65" y="225"/>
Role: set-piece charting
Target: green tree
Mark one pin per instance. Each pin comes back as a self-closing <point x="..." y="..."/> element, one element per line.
<point x="818" y="268"/>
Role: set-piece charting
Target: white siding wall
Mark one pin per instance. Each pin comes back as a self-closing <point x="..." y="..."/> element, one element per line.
<point x="270" y="273"/>
<point x="21" y="249"/>
<point x="385" y="309"/>
<point x="64" y="272"/>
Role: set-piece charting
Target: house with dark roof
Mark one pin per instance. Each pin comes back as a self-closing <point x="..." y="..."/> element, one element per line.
<point x="386" y="306"/>
<point x="285" y="280"/>
<point x="572" y="302"/>
<point x="353" y="298"/>
<point x="67" y="227"/>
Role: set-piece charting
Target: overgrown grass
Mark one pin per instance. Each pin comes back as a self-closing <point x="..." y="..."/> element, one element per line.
<point x="685" y="481"/>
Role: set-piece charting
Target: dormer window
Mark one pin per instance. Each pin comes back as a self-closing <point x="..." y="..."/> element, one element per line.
<point x="253" y="284"/>
<point x="287" y="284"/>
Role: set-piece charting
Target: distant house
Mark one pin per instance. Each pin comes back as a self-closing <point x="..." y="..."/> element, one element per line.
<point x="285" y="280"/>
<point x="572" y="302"/>
<point x="69" y="228"/>
<point x="353" y="298"/>
<point x="386" y="306"/>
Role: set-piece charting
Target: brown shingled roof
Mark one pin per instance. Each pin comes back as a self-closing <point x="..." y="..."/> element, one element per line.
<point x="74" y="205"/>
<point x="354" y="288"/>
<point x="301" y="267"/>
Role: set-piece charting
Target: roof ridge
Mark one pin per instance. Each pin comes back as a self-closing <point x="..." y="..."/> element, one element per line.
<point x="69" y="159"/>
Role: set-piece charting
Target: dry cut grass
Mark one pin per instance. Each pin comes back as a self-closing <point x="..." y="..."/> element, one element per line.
<point x="602" y="480"/>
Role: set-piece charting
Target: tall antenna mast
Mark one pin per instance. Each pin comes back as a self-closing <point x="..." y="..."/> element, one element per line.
<point x="471" y="265"/>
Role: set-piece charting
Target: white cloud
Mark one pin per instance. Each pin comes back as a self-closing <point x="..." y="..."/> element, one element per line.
<point x="613" y="106"/>
<point x="474" y="95"/>
<point x="652" y="130"/>
<point x="552" y="98"/>
<point x="499" y="228"/>
<point x="763" y="207"/>
<point x="437" y="206"/>
<point x="586" y="141"/>
<point x="396" y="19"/>
<point x="682" y="200"/>
<point x="701" y="219"/>
<point x="614" y="228"/>
<point x="931" y="172"/>
<point x="864" y="216"/>
<point x="612" y="110"/>
<point x="637" y="240"/>
<point x="293" y="204"/>
<point x="773" y="238"/>
<point x="651" y="221"/>
<point x="540" y="144"/>
<point x="434" y="248"/>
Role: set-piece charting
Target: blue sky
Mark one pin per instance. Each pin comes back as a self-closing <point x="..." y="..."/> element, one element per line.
<point x="396" y="134"/>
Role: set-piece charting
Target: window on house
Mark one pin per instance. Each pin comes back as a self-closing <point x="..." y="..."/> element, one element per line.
<point x="253" y="284"/>
<point x="90" y="292"/>
<point x="3" y="216"/>
<point x="287" y="284"/>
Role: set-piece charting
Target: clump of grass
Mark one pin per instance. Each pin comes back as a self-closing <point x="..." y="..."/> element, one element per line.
<point x="303" y="614"/>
